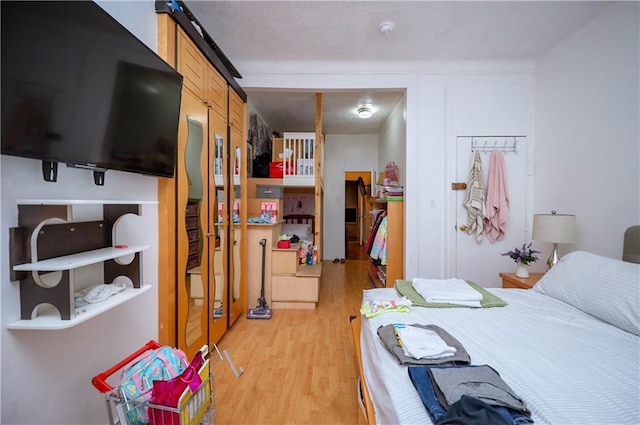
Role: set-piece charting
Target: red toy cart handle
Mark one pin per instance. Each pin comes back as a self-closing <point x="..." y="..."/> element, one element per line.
<point x="100" y="380"/>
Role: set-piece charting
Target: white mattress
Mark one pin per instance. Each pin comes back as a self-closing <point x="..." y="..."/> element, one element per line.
<point x="568" y="366"/>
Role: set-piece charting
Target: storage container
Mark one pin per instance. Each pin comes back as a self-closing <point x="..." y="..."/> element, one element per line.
<point x="269" y="191"/>
<point x="276" y="169"/>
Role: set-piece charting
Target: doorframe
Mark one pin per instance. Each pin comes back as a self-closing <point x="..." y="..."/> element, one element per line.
<point x="363" y="207"/>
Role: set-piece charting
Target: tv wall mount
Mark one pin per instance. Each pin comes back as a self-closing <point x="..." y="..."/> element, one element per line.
<point x="50" y="172"/>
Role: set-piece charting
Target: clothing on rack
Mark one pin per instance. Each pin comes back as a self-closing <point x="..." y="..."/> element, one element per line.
<point x="379" y="246"/>
<point x="497" y="198"/>
<point x="474" y="198"/>
<point x="374" y="229"/>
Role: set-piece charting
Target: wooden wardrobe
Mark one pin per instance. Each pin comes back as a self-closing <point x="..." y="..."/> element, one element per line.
<point x="202" y="210"/>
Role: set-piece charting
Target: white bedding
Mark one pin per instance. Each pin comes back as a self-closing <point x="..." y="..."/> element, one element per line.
<point x="568" y="366"/>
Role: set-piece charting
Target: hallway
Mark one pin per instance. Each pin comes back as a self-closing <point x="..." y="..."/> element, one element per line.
<point x="300" y="366"/>
<point x="355" y="251"/>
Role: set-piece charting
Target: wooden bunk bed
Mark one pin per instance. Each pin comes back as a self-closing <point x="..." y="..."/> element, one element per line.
<point x="302" y="225"/>
<point x="302" y="156"/>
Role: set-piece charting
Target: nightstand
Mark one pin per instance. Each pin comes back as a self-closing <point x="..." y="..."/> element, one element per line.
<point x="510" y="280"/>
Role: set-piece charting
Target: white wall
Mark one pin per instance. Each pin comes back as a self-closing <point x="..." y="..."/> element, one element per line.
<point x="588" y="150"/>
<point x="46" y="375"/>
<point x="393" y="140"/>
<point x="586" y="101"/>
<point x="342" y="153"/>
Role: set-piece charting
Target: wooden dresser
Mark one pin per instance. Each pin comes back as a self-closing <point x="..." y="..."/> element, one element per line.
<point x="510" y="280"/>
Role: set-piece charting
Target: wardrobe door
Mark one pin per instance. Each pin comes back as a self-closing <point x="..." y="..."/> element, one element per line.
<point x="238" y="260"/>
<point x="219" y="273"/>
<point x="192" y="210"/>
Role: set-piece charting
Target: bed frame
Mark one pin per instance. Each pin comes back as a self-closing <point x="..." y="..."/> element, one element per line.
<point x="302" y="219"/>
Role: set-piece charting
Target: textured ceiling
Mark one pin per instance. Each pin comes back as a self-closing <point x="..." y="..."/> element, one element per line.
<point x="251" y="32"/>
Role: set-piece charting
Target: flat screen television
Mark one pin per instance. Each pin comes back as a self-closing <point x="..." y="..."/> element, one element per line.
<point x="78" y="88"/>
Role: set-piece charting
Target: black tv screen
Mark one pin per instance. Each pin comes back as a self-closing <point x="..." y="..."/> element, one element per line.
<point x="78" y="88"/>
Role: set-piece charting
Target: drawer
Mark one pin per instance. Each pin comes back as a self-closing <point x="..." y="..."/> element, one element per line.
<point x="269" y="191"/>
<point x="193" y="234"/>
<point x="193" y="261"/>
<point x="194" y="247"/>
<point x="192" y="208"/>
<point x="192" y="222"/>
<point x="284" y="262"/>
<point x="292" y="288"/>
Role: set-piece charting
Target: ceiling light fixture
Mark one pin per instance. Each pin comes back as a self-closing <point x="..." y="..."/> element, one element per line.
<point x="365" y="111"/>
<point x="386" y="28"/>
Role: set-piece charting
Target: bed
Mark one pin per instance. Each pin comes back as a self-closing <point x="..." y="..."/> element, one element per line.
<point x="569" y="347"/>
<point x="301" y="225"/>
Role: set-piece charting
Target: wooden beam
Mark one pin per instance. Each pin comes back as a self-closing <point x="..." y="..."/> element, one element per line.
<point x="318" y="148"/>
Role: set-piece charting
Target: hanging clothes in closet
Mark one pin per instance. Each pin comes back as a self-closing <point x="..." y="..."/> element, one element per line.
<point x="376" y="244"/>
<point x="379" y="246"/>
<point x="497" y="198"/>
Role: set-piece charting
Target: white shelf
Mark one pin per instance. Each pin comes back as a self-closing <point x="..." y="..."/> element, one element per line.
<point x="49" y="319"/>
<point x="80" y="259"/>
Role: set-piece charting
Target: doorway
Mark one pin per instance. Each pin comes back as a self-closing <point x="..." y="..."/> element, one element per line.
<point x="356" y="208"/>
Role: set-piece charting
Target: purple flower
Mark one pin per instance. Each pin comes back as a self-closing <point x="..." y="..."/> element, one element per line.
<point x="524" y="255"/>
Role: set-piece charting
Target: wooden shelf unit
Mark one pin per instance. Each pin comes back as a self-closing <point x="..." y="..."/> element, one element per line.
<point x="395" y="242"/>
<point x="49" y="242"/>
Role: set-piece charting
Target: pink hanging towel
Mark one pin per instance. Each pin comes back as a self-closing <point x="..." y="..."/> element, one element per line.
<point x="497" y="198"/>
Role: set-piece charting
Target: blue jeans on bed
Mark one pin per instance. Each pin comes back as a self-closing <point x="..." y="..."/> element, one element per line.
<point x="420" y="378"/>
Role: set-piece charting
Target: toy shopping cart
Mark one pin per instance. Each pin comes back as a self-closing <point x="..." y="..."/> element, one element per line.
<point x="194" y="406"/>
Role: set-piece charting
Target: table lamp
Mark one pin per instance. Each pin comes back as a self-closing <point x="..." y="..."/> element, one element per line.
<point x="554" y="228"/>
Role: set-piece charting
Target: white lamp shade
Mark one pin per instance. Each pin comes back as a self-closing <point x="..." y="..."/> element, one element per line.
<point x="554" y="228"/>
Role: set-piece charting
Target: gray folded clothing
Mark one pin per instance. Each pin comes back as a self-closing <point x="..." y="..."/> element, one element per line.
<point x="481" y="382"/>
<point x="388" y="337"/>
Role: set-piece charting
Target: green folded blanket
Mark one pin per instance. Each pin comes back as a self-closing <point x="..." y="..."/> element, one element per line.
<point x="405" y="288"/>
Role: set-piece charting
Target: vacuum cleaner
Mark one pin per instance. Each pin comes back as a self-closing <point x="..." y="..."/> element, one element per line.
<point x="262" y="311"/>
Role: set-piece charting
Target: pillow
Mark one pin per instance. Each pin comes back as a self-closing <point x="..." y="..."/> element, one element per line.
<point x="606" y="288"/>
<point x="303" y="231"/>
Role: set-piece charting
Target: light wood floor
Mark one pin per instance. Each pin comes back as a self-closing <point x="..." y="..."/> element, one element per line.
<point x="300" y="366"/>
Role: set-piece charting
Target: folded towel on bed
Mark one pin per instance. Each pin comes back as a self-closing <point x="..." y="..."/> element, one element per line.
<point x="388" y="337"/>
<point x="450" y="291"/>
<point x="422" y="343"/>
<point x="405" y="288"/>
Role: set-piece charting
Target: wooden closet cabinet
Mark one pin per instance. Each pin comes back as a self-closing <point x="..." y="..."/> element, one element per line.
<point x="202" y="210"/>
<point x="191" y="65"/>
<point x="200" y="76"/>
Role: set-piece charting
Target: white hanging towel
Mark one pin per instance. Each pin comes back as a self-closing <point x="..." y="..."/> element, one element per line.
<point x="474" y="199"/>
<point x="497" y="198"/>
